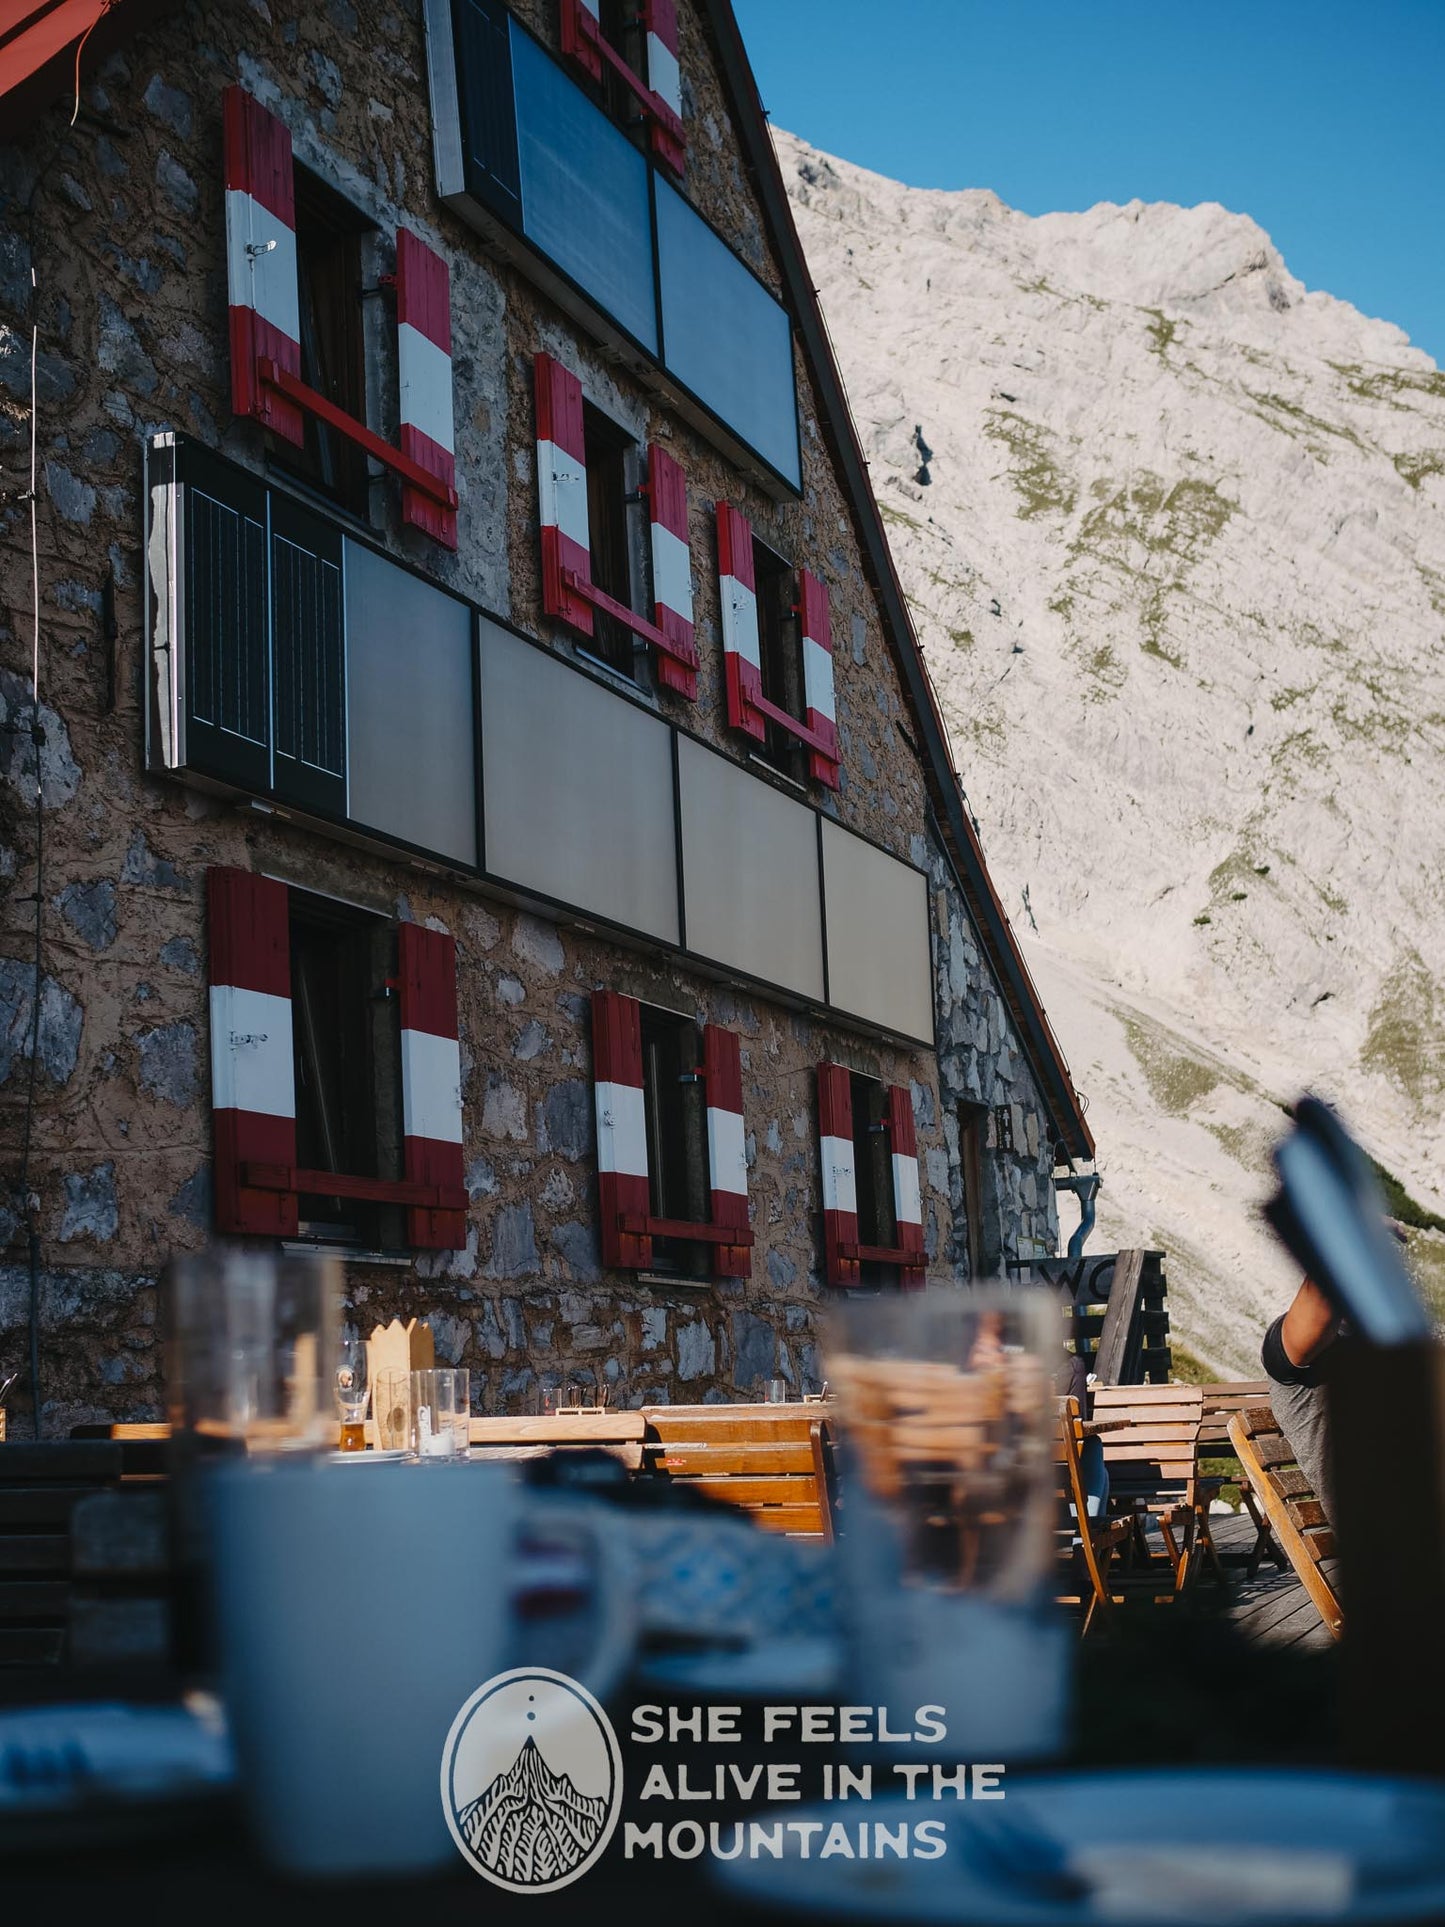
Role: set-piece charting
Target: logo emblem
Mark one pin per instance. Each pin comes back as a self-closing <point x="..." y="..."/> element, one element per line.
<point x="531" y="1780"/>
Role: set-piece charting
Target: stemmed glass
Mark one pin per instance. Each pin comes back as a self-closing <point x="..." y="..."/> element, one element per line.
<point x="352" y="1391"/>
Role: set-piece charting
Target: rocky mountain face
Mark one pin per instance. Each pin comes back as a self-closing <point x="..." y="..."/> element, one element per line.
<point x="1173" y="528"/>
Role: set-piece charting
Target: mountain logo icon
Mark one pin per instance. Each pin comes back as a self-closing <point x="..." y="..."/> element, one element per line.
<point x="531" y="1780"/>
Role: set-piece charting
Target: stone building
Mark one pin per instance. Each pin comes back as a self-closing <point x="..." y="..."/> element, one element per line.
<point x="493" y="816"/>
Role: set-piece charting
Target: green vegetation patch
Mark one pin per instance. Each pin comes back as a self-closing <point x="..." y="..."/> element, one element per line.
<point x="1042" y="486"/>
<point x="1403" y="1039"/>
<point x="1416" y="469"/>
<point x="1177" y="1080"/>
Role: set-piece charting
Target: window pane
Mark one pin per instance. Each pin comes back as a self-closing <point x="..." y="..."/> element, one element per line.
<point x="724" y="336"/>
<point x="309" y="651"/>
<point x="584" y="191"/>
<point x="578" y="786"/>
<point x="228" y="680"/>
<point x="878" y="947"/>
<point x="412" y="728"/>
<point x="750" y="864"/>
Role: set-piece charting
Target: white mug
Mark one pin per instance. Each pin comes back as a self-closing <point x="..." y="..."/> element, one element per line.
<point x="358" y="1609"/>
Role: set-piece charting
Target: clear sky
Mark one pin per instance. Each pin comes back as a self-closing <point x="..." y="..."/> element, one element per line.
<point x="1323" y="119"/>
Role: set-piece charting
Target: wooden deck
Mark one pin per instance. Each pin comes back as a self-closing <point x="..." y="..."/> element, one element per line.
<point x="1271" y="1609"/>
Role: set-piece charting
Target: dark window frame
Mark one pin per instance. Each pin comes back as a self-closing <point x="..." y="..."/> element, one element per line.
<point x="331" y="288"/>
<point x="984" y="1254"/>
<point x="675" y="1107"/>
<point x="346" y="1046"/>
<point x="610" y="454"/>
<point x="873" y="1173"/>
<point x="780" y="655"/>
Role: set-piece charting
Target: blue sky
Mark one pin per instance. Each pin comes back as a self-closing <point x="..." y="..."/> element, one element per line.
<point x="1325" y="121"/>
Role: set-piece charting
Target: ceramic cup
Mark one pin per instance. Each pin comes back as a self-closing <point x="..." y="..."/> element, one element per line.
<point x="358" y="1608"/>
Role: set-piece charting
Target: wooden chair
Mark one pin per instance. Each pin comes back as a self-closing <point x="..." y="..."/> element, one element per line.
<point x="1221" y="1402"/>
<point x="1295" y="1515"/>
<point x="772" y="1460"/>
<point x="1090" y="1543"/>
<point x="1153" y="1468"/>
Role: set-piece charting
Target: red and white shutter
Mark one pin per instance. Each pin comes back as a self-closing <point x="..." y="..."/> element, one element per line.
<point x="622" y="1181"/>
<point x="737" y="589"/>
<point x="907" y="1194"/>
<point x="261" y="261"/>
<point x="840" y="1187"/>
<point x="671" y="566"/>
<point x="664" y="77"/>
<point x="253" y="1070"/>
<point x="431" y="1082"/>
<point x="727" y="1155"/>
<point x="822" y="718"/>
<point x="562" y="492"/>
<point x="424" y="363"/>
<point x="581" y="28"/>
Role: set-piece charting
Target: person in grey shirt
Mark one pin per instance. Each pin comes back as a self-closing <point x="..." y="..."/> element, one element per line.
<point x="1296" y="1354"/>
<point x="1299" y="1351"/>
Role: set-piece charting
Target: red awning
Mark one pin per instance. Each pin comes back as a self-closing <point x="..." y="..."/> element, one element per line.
<point x="38" y="42"/>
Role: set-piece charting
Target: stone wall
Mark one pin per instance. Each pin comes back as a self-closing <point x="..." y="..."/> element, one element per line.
<point x="122" y="219"/>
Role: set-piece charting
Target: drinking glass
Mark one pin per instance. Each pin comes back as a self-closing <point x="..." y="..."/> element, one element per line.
<point x="352" y="1391"/>
<point x="439" y="1414"/>
<point x="947" y="1414"/>
<point x="249" y="1344"/>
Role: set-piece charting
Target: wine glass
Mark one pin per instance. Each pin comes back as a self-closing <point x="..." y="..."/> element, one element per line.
<point x="352" y="1391"/>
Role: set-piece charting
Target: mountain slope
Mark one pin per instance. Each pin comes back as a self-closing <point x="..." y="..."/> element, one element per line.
<point x="1174" y="531"/>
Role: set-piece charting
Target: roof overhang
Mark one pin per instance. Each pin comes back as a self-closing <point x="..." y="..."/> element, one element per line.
<point x="39" y="43"/>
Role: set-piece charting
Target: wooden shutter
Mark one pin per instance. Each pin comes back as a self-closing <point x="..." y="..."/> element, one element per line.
<point x="840" y="1190"/>
<point x="579" y="35"/>
<point x="253" y="1068"/>
<point x="737" y="590"/>
<point x="671" y="566"/>
<point x="308" y="651"/>
<point x="424" y="363"/>
<point x="664" y="77"/>
<point x="431" y="1080"/>
<point x="727" y="1157"/>
<point x="817" y="635"/>
<point x="622" y="1181"/>
<point x="907" y="1195"/>
<point x="562" y="492"/>
<point x="265" y="308"/>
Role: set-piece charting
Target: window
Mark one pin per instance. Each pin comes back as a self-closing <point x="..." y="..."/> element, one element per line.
<point x="336" y="1103"/>
<point x="294" y="282"/>
<point x="275" y="663"/>
<point x="672" y="1177"/>
<point x="777" y="653"/>
<point x="628" y="50"/>
<point x="873" y="1171"/>
<point x="520" y="142"/>
<point x="329" y="235"/>
<point x="676" y="1113"/>
<point x="347" y="1052"/>
<point x="872" y="1204"/>
<point x="781" y="661"/>
<point x="984" y="1251"/>
<point x="609" y="455"/>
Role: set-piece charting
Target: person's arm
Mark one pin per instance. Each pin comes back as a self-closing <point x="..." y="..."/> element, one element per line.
<point x="1308" y="1327"/>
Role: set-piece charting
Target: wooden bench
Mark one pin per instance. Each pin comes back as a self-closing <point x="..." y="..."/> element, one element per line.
<point x="85" y="1562"/>
<point x="618" y="1433"/>
<point x="1296" y="1517"/>
<point x="772" y="1460"/>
